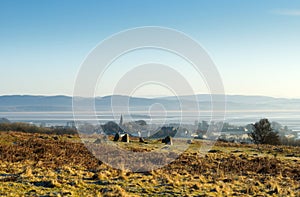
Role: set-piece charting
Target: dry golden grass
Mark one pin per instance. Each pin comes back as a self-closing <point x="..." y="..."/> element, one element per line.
<point x="49" y="165"/>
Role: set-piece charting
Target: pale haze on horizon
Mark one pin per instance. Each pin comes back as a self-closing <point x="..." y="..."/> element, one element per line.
<point x="255" y="44"/>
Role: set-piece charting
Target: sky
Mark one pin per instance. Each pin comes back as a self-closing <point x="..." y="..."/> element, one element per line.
<point x="254" y="44"/>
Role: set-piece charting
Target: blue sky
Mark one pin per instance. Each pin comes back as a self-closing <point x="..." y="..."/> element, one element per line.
<point x="255" y="44"/>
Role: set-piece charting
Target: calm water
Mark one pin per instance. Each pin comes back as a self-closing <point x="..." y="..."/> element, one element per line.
<point x="286" y="118"/>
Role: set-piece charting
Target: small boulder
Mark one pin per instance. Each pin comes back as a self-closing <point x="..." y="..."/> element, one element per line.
<point x="125" y="138"/>
<point x="190" y="142"/>
<point x="47" y="184"/>
<point x="213" y="151"/>
<point x="141" y="140"/>
<point x="98" y="141"/>
<point x="167" y="140"/>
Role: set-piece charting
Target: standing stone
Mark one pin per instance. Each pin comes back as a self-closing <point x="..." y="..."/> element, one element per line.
<point x="117" y="137"/>
<point x="167" y="140"/>
<point x="125" y="138"/>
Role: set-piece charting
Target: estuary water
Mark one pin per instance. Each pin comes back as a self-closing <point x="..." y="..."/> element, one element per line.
<point x="288" y="118"/>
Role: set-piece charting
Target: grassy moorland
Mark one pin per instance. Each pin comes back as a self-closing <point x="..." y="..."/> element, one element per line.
<point x="52" y="165"/>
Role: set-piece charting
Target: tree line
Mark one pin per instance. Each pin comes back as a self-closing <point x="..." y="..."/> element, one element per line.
<point x="30" y="128"/>
<point x="262" y="131"/>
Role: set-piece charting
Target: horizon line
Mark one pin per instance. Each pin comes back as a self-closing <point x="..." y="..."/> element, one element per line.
<point x="146" y="97"/>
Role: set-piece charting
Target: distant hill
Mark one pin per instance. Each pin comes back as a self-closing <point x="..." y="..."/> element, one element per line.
<point x="4" y="120"/>
<point x="24" y="103"/>
<point x="35" y="103"/>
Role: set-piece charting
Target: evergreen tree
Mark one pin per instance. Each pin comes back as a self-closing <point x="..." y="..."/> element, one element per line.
<point x="263" y="133"/>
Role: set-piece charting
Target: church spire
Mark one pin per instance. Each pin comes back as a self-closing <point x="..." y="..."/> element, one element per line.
<point x="121" y="120"/>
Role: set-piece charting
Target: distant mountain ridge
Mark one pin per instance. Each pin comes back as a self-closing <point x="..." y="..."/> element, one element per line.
<point x="29" y="103"/>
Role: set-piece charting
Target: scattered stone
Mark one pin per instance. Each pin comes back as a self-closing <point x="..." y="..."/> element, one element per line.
<point x="125" y="138"/>
<point x="190" y="142"/>
<point x="117" y="137"/>
<point x="98" y="141"/>
<point x="214" y="151"/>
<point x="47" y="184"/>
<point x="167" y="140"/>
<point x="278" y="150"/>
<point x="166" y="148"/>
<point x="95" y="177"/>
<point x="290" y="155"/>
<point x="105" y="137"/>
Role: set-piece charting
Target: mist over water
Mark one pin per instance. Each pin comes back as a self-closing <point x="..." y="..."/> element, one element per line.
<point x="241" y="118"/>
